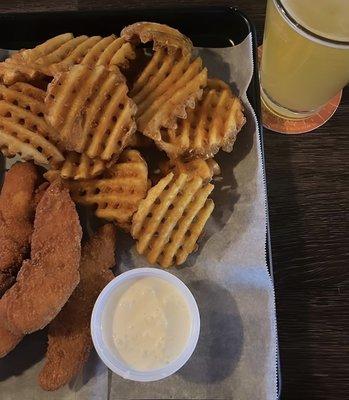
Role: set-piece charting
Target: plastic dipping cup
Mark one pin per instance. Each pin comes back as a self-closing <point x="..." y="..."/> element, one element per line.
<point x="102" y="331"/>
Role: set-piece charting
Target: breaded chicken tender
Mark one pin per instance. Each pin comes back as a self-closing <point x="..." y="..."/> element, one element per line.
<point x="17" y="209"/>
<point x="46" y="281"/>
<point x="69" y="339"/>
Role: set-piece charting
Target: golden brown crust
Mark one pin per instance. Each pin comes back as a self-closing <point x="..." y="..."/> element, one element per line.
<point x="69" y="339"/>
<point x="17" y="208"/>
<point x="46" y="281"/>
<point x="39" y="192"/>
<point x="8" y="339"/>
<point x="7" y="279"/>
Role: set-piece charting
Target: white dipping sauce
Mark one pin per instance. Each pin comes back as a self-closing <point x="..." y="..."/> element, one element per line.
<point x="151" y="324"/>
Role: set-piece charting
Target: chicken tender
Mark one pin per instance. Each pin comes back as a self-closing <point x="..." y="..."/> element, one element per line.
<point x="8" y="340"/>
<point x="46" y="281"/>
<point x="7" y="279"/>
<point x="17" y="210"/>
<point x="69" y="339"/>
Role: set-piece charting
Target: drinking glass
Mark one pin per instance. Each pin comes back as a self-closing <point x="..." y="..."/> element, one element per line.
<point x="305" y="56"/>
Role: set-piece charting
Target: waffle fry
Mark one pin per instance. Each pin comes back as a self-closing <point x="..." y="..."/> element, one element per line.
<point x="63" y="51"/>
<point x="118" y="193"/>
<point x="79" y="167"/>
<point x="23" y="129"/>
<point x="110" y="52"/>
<point x="171" y="218"/>
<point x="22" y="66"/>
<point x="33" y="92"/>
<point x="161" y="35"/>
<point x="51" y="48"/>
<point x="204" y="169"/>
<point x="166" y="88"/>
<point x="91" y="111"/>
<point x="12" y="71"/>
<point x="212" y="125"/>
<point x="75" y="166"/>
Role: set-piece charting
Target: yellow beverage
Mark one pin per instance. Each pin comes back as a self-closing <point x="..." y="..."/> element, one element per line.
<point x="305" y="58"/>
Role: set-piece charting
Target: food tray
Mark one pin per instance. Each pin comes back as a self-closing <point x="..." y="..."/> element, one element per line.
<point x="206" y="26"/>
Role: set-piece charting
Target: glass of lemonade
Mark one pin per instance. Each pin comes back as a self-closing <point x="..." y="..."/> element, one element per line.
<point x="305" y="60"/>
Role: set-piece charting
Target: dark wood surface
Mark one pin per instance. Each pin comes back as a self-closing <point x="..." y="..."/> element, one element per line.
<point x="308" y="191"/>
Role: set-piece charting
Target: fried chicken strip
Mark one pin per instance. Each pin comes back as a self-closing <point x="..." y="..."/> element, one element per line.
<point x="7" y="279"/>
<point x="8" y="276"/>
<point x="69" y="339"/>
<point x="8" y="340"/>
<point x="17" y="210"/>
<point x="46" y="281"/>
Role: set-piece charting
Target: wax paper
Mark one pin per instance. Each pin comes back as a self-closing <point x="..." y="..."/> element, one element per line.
<point x="236" y="354"/>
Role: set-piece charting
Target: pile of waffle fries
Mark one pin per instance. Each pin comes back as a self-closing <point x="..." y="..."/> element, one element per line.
<point x="89" y="109"/>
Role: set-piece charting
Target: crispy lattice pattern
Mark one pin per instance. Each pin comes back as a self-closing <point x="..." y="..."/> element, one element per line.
<point x="167" y="87"/>
<point x="91" y="110"/>
<point x="23" y="129"/>
<point x="61" y="52"/>
<point x="213" y="124"/>
<point x="78" y="166"/>
<point x="171" y="218"/>
<point x="75" y="166"/>
<point x="117" y="193"/>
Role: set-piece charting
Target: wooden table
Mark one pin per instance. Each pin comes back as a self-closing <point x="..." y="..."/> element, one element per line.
<point x="308" y="190"/>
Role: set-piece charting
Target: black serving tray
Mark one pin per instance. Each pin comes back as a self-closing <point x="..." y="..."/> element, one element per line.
<point x="206" y="27"/>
